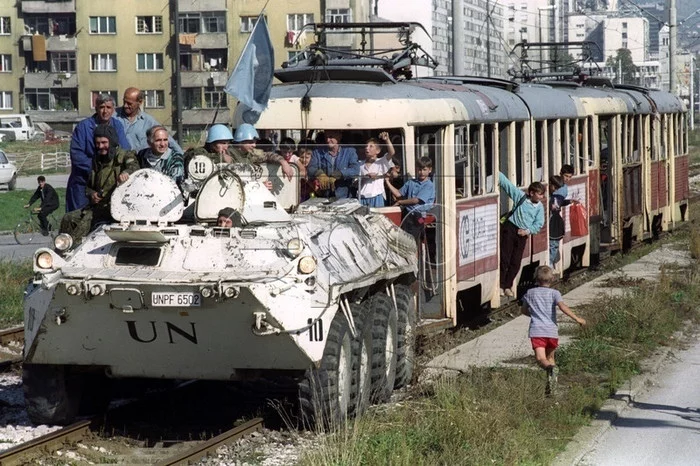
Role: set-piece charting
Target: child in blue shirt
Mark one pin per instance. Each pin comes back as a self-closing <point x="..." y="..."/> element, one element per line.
<point x="541" y="304"/>
<point x="416" y="197"/>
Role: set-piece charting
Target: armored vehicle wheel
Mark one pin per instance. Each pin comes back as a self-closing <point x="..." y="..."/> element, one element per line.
<point x="384" y="339"/>
<point x="325" y="394"/>
<point x="51" y="393"/>
<point x="362" y="359"/>
<point x="406" y="341"/>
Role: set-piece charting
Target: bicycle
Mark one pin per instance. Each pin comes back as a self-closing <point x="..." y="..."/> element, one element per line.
<point x="28" y="230"/>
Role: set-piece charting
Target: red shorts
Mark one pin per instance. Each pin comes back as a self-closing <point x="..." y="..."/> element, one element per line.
<point x="544" y="342"/>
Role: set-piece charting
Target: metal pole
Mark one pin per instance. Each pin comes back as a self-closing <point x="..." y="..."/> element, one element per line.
<point x="672" y="29"/>
<point x="488" y="38"/>
<point x="692" y="90"/>
<point x="177" y="98"/>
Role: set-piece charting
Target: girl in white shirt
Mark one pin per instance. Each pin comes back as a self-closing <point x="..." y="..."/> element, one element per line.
<point x="374" y="170"/>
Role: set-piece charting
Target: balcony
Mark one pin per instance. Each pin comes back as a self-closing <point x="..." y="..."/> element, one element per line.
<point x="204" y="78"/>
<point x="214" y="40"/>
<point x="203" y="116"/>
<point x="46" y="6"/>
<point x="68" y="117"/>
<point x="44" y="79"/>
<point x="61" y="43"/>
<point x="186" y="6"/>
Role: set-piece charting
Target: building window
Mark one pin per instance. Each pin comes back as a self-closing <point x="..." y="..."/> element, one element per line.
<point x="6" y="100"/>
<point x="338" y="15"/>
<point x="103" y="62"/>
<point x="186" y="60"/>
<point x="5" y="25"/>
<point x="214" y="59"/>
<point x="149" y="25"/>
<point x="154" y="98"/>
<point x="624" y="35"/>
<point x="63" y="62"/>
<point x="37" y="99"/>
<point x="191" y="98"/>
<point x="5" y="63"/>
<point x="95" y="94"/>
<point x="213" y="21"/>
<point x="214" y="97"/>
<point x="248" y="23"/>
<point x="55" y="25"/>
<point x="149" y="62"/>
<point x="189" y="23"/>
<point x="103" y="25"/>
<point x="297" y="21"/>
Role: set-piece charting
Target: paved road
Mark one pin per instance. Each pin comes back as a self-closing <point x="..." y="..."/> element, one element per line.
<point x="662" y="425"/>
<point x="29" y="182"/>
<point x="11" y="251"/>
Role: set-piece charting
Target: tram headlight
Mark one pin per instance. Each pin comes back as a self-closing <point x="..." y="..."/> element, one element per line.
<point x="44" y="260"/>
<point x="307" y="265"/>
<point x="63" y="242"/>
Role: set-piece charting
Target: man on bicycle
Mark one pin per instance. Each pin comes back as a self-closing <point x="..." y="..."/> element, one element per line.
<point x="49" y="203"/>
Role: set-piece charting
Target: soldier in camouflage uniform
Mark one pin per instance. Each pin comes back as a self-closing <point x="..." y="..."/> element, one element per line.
<point x="110" y="168"/>
<point x="219" y="149"/>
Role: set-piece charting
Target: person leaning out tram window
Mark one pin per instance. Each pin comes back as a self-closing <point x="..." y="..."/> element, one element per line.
<point x="335" y="167"/>
<point x="525" y="219"/>
<point x="415" y="198"/>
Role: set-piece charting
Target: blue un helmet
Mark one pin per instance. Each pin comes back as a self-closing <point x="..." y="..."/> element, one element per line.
<point x="219" y="133"/>
<point x="245" y="132"/>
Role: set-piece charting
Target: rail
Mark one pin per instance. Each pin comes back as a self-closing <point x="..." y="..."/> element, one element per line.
<point x="48" y="442"/>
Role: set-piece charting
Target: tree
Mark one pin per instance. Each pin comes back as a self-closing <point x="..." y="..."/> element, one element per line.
<point x="622" y="62"/>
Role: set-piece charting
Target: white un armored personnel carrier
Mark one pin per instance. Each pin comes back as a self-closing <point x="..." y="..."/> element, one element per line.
<point x="322" y="294"/>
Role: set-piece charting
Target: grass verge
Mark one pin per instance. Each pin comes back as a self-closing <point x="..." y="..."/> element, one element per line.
<point x="501" y="416"/>
<point x="14" y="278"/>
<point x="12" y="202"/>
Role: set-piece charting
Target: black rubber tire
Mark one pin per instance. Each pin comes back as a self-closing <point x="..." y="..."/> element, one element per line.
<point x="51" y="393"/>
<point x="25" y="232"/>
<point x="362" y="359"/>
<point x="406" y="335"/>
<point x="384" y="346"/>
<point x="326" y="393"/>
<point x="12" y="184"/>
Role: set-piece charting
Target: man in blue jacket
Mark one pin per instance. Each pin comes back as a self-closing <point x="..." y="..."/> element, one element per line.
<point x="82" y="150"/>
<point x="334" y="167"/>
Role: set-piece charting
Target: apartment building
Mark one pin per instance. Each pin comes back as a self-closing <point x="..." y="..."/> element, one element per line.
<point x="56" y="56"/>
<point x="10" y="67"/>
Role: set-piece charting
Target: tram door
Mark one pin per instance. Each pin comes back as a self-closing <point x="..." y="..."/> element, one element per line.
<point x="607" y="180"/>
<point x="429" y="143"/>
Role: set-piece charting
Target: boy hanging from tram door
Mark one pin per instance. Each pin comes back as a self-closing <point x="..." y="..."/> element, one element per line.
<point x="556" y="222"/>
<point x="374" y="170"/>
<point x="541" y="304"/>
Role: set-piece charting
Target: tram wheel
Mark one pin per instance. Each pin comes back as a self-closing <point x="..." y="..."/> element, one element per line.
<point x="384" y="348"/>
<point x="325" y="393"/>
<point x="406" y="335"/>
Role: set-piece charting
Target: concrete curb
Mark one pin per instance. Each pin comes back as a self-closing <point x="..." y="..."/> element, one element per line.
<point x="586" y="438"/>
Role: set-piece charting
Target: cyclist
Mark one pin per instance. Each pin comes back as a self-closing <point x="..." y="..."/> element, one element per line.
<point x="49" y="202"/>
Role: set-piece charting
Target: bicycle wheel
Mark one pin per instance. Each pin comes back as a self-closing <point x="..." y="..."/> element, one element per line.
<point x="25" y="231"/>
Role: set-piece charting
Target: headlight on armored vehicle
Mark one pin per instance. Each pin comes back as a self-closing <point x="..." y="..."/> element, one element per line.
<point x="307" y="264"/>
<point x="73" y="289"/>
<point x="44" y="260"/>
<point x="295" y="247"/>
<point x="97" y="290"/>
<point x="63" y="242"/>
<point x="207" y="291"/>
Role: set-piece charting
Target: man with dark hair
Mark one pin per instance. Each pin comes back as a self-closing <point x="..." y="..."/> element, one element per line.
<point x="137" y="122"/>
<point x="82" y="150"/>
<point x="111" y="167"/>
<point x="49" y="202"/>
<point x="335" y="167"/>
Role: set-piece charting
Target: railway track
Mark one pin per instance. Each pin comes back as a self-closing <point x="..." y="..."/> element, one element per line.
<point x="182" y="453"/>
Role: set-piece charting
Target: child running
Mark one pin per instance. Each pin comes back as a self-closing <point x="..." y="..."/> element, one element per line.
<point x="541" y="303"/>
<point x="373" y="171"/>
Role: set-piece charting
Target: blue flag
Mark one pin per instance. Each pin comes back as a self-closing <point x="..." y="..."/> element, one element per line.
<point x="251" y="80"/>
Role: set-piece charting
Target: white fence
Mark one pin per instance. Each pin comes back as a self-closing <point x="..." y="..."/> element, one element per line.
<point x="55" y="161"/>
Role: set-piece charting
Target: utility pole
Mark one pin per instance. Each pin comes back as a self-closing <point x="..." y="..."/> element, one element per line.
<point x="175" y="27"/>
<point x="488" y="38"/>
<point x="672" y="36"/>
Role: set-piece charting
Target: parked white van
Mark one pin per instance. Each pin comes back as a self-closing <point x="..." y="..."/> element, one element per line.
<point x="17" y="127"/>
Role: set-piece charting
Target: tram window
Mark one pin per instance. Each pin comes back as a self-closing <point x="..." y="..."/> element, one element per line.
<point x="588" y="132"/>
<point x="489" y="157"/>
<point x="636" y="138"/>
<point x="552" y="147"/>
<point x="461" y="162"/>
<point x="476" y="158"/>
<point x="538" y="150"/>
<point x="604" y="135"/>
<point x="654" y="138"/>
<point x="564" y="142"/>
<point x="520" y="154"/>
<point x="663" y="148"/>
<point x="503" y="151"/>
<point x="685" y="134"/>
<point x="580" y="146"/>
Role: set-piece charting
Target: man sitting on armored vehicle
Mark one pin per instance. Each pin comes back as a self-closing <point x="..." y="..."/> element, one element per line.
<point x="110" y="168"/>
<point x="159" y="156"/>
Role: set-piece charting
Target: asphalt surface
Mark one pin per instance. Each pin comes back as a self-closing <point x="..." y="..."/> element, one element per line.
<point x="59" y="180"/>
